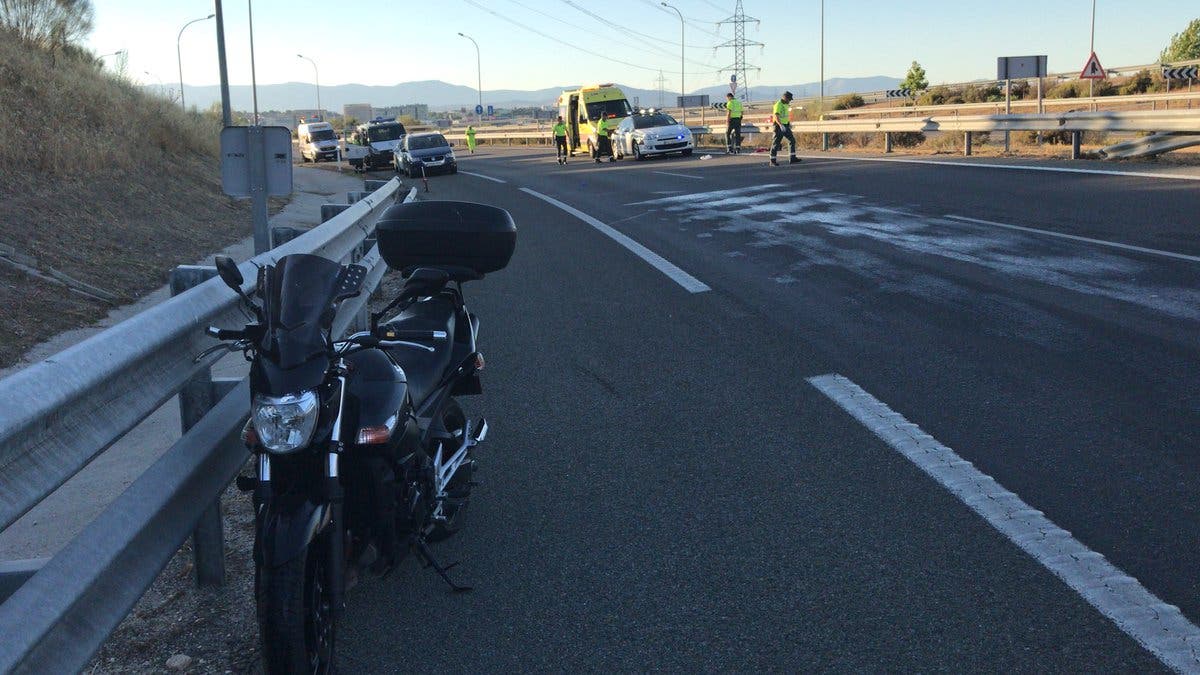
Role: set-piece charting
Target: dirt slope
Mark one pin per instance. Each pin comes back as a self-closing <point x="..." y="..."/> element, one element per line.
<point x="102" y="185"/>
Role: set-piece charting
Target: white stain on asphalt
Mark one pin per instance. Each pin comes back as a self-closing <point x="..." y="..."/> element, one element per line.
<point x="828" y="229"/>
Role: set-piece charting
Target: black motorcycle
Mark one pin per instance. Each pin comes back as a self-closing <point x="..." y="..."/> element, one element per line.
<point x="363" y="453"/>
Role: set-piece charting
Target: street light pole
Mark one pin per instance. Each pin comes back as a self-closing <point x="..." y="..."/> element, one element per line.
<point x="822" y="55"/>
<point x="478" y="68"/>
<point x="682" y="88"/>
<point x="317" y="75"/>
<point x="179" y="55"/>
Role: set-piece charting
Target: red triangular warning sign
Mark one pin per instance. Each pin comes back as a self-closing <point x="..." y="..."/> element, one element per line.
<point x="1092" y="70"/>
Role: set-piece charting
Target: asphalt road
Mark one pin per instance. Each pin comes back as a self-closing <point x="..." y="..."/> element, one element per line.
<point x="665" y="489"/>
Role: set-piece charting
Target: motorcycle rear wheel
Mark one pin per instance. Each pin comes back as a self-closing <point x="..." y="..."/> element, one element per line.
<point x="295" y="617"/>
<point x="455" y="422"/>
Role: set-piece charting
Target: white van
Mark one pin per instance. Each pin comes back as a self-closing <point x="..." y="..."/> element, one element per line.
<point x="317" y="141"/>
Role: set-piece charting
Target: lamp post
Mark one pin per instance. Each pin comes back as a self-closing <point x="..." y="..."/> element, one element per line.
<point x="161" y="86"/>
<point x="179" y="55"/>
<point x="317" y="75"/>
<point x="478" y="67"/>
<point x="119" y="51"/>
<point x="682" y="88"/>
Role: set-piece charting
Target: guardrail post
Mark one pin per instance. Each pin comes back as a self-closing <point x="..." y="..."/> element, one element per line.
<point x="14" y="573"/>
<point x="1076" y="141"/>
<point x="967" y="144"/>
<point x="887" y="142"/>
<point x="196" y="398"/>
<point x="825" y="142"/>
<point x="328" y="211"/>
<point x="282" y="234"/>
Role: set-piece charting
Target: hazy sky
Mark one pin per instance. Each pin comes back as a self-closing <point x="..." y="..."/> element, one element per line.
<point x="386" y="42"/>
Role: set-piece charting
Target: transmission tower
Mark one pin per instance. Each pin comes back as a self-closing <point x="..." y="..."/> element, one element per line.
<point x="661" y="81"/>
<point x="739" y="44"/>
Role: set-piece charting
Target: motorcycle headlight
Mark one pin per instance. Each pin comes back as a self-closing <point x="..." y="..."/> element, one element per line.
<point x="286" y="423"/>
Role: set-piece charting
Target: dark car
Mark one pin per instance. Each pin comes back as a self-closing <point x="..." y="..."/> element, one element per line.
<point x="425" y="154"/>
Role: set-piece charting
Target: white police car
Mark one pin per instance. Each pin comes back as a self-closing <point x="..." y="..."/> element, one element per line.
<point x="651" y="132"/>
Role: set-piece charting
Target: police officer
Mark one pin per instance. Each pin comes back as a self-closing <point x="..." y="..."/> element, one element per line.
<point x="560" y="140"/>
<point x="733" y="124"/>
<point x="781" y="121"/>
<point x="471" y="138"/>
<point x="603" y="141"/>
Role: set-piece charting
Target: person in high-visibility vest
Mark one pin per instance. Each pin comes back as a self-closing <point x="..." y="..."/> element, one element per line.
<point x="560" y="140"/>
<point x="603" y="141"/>
<point x="471" y="138"/>
<point x="781" y="121"/>
<point x="733" y="124"/>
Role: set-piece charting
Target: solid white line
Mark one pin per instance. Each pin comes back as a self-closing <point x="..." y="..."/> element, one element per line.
<point x="1073" y="237"/>
<point x="479" y="175"/>
<point x="1160" y="628"/>
<point x="681" y="175"/>
<point x="1014" y="167"/>
<point x="689" y="282"/>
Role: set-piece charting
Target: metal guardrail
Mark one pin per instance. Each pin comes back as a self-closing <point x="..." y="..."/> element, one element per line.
<point x="1093" y="103"/>
<point x="60" y="413"/>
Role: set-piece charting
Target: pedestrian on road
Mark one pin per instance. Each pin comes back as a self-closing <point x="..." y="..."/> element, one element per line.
<point x="733" y="124"/>
<point x="560" y="140"/>
<point x="603" y="140"/>
<point x="781" y="121"/>
<point x="471" y="138"/>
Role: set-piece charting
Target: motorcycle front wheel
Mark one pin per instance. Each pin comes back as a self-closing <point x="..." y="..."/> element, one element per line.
<point x="460" y="486"/>
<point x="295" y="616"/>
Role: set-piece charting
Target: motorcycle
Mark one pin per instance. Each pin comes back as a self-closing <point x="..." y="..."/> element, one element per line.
<point x="363" y="452"/>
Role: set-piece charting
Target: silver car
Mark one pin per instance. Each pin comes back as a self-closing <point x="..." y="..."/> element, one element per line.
<point x="651" y="133"/>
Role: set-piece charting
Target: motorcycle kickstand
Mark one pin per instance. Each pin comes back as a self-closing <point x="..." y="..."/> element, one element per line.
<point x="427" y="556"/>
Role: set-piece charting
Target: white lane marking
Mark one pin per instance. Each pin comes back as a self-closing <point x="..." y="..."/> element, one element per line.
<point x="626" y="218"/>
<point x="680" y="175"/>
<point x="1014" y="167"/>
<point x="1074" y="237"/>
<point x="479" y="175"/>
<point x="689" y="282"/>
<point x="1161" y="628"/>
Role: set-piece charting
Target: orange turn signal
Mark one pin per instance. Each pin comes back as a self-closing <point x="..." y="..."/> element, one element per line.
<point x="374" y="435"/>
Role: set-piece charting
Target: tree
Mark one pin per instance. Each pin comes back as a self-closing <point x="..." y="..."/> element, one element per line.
<point x="1184" y="46"/>
<point x="50" y="24"/>
<point x="915" y="79"/>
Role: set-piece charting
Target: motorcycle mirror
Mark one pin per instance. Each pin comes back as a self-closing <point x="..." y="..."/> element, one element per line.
<point x="228" y="270"/>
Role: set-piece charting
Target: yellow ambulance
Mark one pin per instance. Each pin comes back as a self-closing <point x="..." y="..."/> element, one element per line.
<point x="581" y="109"/>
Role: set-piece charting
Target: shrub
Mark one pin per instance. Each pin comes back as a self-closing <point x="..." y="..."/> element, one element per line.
<point x="982" y="94"/>
<point x="935" y="96"/>
<point x="907" y="139"/>
<point x="849" y="101"/>
<point x="1139" y="83"/>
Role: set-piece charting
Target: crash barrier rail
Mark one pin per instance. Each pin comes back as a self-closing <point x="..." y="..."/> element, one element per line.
<point x="1177" y="100"/>
<point x="1076" y="122"/>
<point x="60" y="413"/>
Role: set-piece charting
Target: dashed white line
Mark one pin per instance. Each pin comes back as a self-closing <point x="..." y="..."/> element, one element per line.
<point x="689" y="282"/>
<point x="1161" y="628"/>
<point x="1075" y="237"/>
<point x="1015" y="167"/>
<point x="479" y="175"/>
<point x="680" y="175"/>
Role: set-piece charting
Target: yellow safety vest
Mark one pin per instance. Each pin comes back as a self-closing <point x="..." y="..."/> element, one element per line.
<point x="783" y="113"/>
<point x="735" y="107"/>
<point x="602" y="126"/>
<point x="560" y="130"/>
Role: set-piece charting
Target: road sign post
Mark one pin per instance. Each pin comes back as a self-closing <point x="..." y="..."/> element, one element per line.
<point x="256" y="162"/>
<point x="1009" y="68"/>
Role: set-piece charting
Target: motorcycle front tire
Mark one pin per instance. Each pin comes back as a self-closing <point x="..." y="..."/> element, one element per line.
<point x="295" y="617"/>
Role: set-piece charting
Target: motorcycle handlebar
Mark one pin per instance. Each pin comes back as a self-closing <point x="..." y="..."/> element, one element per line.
<point x="225" y="334"/>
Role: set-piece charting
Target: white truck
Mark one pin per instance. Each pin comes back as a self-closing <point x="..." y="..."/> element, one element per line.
<point x="374" y="145"/>
<point x="317" y="141"/>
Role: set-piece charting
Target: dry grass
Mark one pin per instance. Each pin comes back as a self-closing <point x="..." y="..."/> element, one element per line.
<point x="102" y="182"/>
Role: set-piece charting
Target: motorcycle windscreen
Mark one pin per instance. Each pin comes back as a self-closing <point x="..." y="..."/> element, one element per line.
<point x="298" y="307"/>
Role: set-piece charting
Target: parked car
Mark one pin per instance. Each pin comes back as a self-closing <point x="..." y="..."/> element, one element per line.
<point x="380" y="139"/>
<point x="426" y="153"/>
<point x="651" y="133"/>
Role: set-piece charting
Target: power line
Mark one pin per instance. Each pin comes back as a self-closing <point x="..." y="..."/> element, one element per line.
<point x="645" y="37"/>
<point x="693" y="24"/>
<point x="573" y="26"/>
<point x="518" y="24"/>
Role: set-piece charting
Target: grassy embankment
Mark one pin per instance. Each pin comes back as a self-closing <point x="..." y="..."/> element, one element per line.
<point x="102" y="185"/>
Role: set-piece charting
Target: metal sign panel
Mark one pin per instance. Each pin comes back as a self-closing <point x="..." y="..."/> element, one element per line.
<point x="693" y="101"/>
<point x="478" y="110"/>
<point x="236" y="155"/>
<point x="1019" y="67"/>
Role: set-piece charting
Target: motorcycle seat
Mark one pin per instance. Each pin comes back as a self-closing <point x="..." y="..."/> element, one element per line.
<point x="422" y="368"/>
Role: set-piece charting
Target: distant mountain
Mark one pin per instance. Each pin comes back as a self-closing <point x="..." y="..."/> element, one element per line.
<point x="442" y="95"/>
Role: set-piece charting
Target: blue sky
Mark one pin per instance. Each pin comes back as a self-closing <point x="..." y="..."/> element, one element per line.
<point x="385" y="41"/>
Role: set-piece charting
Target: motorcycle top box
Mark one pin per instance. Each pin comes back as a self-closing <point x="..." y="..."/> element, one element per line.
<point x="467" y="240"/>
